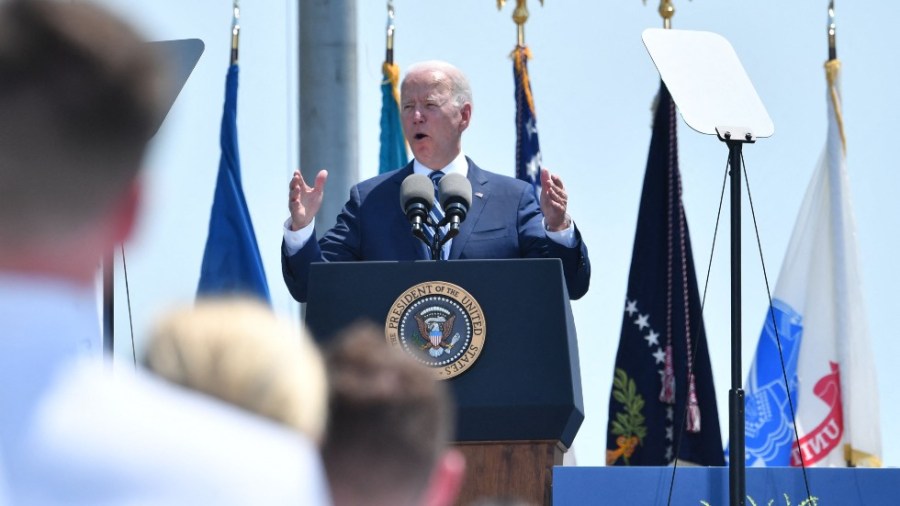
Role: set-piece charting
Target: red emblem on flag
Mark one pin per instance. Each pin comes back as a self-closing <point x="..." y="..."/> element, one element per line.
<point x="819" y="442"/>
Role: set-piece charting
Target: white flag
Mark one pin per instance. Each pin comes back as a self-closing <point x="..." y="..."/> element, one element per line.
<point x="818" y="311"/>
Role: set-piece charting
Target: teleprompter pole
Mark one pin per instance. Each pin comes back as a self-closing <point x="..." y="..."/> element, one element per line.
<point x="735" y="138"/>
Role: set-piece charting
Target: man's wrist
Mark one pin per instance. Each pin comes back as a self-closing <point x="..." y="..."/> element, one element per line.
<point x="566" y="223"/>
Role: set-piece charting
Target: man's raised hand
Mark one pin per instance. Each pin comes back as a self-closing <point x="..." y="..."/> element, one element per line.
<point x="304" y="201"/>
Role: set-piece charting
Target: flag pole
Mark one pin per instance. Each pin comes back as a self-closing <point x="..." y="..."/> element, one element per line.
<point x="393" y="150"/>
<point x="832" y="28"/>
<point x="528" y="152"/>
<point x="235" y="31"/>
<point x="667" y="11"/>
<point x="832" y="66"/>
<point x="520" y="17"/>
<point x="389" y="46"/>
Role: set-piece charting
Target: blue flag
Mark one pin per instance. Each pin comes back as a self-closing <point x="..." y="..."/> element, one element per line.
<point x="661" y="323"/>
<point x="528" y="149"/>
<point x="393" y="145"/>
<point x="231" y="261"/>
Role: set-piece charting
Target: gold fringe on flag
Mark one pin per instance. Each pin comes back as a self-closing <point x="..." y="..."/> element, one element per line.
<point x="857" y="458"/>
<point x="391" y="72"/>
<point x="832" y="70"/>
<point x="520" y="56"/>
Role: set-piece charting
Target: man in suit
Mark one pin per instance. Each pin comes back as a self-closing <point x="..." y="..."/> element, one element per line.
<point x="505" y="219"/>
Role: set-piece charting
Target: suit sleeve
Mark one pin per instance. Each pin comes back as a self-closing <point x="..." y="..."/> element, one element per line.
<point x="533" y="242"/>
<point x="340" y="244"/>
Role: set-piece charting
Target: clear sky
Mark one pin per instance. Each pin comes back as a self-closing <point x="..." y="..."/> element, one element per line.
<point x="593" y="84"/>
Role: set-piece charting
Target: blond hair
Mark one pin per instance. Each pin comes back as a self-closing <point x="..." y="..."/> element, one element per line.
<point x="238" y="351"/>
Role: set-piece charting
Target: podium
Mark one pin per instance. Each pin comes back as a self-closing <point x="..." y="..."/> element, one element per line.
<point x="519" y="405"/>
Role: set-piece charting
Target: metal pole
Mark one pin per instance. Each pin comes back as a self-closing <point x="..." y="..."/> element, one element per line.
<point x="109" y="281"/>
<point x="737" y="485"/>
<point x="328" y="101"/>
<point x="832" y="28"/>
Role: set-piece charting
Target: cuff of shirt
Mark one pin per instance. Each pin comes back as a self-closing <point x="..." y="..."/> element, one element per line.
<point x="564" y="237"/>
<point x="295" y="240"/>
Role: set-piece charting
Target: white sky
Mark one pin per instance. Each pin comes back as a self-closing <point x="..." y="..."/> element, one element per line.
<point x="593" y="84"/>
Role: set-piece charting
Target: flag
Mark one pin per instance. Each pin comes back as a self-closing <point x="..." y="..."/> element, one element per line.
<point x="231" y="260"/>
<point x="662" y="323"/>
<point x="528" y="149"/>
<point x="818" y="312"/>
<point x="393" y="146"/>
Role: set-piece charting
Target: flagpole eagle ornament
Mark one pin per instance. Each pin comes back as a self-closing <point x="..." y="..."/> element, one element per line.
<point x="520" y="16"/>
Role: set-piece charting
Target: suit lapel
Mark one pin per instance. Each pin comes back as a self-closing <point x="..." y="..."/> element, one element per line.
<point x="480" y="195"/>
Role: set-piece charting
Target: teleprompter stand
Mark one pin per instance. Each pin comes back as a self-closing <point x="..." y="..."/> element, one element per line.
<point x="712" y="91"/>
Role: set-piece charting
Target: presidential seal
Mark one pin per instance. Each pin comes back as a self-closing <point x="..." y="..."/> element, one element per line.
<point x="440" y="325"/>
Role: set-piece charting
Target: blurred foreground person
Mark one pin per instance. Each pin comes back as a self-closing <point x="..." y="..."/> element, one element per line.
<point x="390" y="426"/>
<point x="81" y="96"/>
<point x="238" y="351"/>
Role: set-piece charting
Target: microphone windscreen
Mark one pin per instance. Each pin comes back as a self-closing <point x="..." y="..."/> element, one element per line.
<point x="455" y="188"/>
<point x="416" y="188"/>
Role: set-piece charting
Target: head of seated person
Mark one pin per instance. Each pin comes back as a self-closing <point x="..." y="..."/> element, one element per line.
<point x="239" y="351"/>
<point x="81" y="95"/>
<point x="389" y="429"/>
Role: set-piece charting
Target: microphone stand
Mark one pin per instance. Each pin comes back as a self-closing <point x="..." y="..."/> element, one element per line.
<point x="436" y="244"/>
<point x="440" y="240"/>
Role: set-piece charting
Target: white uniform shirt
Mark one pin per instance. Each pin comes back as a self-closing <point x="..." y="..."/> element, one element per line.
<point x="73" y="433"/>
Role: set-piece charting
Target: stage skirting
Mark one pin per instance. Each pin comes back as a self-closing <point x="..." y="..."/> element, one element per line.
<point x="708" y="486"/>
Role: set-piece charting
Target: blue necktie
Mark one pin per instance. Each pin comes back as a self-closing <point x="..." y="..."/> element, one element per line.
<point x="437" y="214"/>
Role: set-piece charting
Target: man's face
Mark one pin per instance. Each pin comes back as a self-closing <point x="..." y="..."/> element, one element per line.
<point x="432" y="121"/>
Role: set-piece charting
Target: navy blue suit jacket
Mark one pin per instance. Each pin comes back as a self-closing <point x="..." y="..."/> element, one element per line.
<point x="504" y="221"/>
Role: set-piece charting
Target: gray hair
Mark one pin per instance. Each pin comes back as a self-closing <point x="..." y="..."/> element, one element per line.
<point x="460" y="89"/>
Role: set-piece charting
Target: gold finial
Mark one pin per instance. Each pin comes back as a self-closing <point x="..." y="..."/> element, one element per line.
<point x="832" y="28"/>
<point x="520" y="16"/>
<point x="235" y="30"/>
<point x="389" y="51"/>
<point x="666" y="10"/>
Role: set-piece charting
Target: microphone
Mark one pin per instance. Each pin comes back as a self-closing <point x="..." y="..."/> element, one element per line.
<point x="456" y="197"/>
<point x="416" y="197"/>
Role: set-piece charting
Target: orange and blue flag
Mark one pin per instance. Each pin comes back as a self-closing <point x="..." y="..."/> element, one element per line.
<point x="392" y="154"/>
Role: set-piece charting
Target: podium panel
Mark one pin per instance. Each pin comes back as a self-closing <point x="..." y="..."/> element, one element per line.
<point x="525" y="385"/>
<point x="782" y="486"/>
